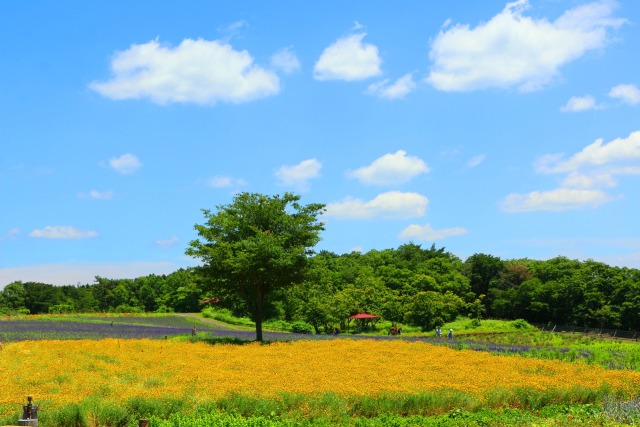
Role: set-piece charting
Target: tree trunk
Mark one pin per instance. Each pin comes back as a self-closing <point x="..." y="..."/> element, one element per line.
<point x="258" y="316"/>
<point x="259" y="328"/>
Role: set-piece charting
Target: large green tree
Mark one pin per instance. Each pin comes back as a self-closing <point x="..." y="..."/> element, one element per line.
<point x="256" y="245"/>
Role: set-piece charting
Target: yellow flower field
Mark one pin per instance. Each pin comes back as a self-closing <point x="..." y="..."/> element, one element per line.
<point x="68" y="371"/>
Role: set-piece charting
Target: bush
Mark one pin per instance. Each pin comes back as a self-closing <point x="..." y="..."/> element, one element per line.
<point x="164" y="309"/>
<point x="124" y="308"/>
<point x="300" y="327"/>
<point x="520" y="324"/>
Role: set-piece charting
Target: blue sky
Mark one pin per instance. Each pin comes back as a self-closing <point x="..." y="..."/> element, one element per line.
<point x="511" y="129"/>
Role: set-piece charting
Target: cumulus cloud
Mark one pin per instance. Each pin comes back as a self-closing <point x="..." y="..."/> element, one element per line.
<point x="425" y="232"/>
<point x="513" y="50"/>
<point x="610" y="156"/>
<point x="396" y="90"/>
<point x="126" y="164"/>
<point x="221" y="181"/>
<point x="580" y="103"/>
<point x="196" y="71"/>
<point x="393" y="204"/>
<point x="298" y="176"/>
<point x="63" y="232"/>
<point x="391" y="169"/>
<point x="580" y="180"/>
<point x="588" y="172"/>
<point x="348" y="58"/>
<point x="629" y="94"/>
<point x="285" y="60"/>
<point x="560" y="199"/>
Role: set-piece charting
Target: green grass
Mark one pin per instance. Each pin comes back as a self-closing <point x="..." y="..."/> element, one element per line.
<point x="328" y="410"/>
<point x="465" y="327"/>
<point x="612" y="354"/>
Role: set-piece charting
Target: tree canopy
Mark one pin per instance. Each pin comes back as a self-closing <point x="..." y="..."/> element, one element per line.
<point x="257" y="245"/>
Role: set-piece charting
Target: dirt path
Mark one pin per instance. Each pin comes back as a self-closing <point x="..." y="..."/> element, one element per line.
<point x="216" y="323"/>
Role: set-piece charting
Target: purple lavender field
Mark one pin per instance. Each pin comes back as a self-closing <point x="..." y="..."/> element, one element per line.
<point x="162" y="327"/>
<point x="125" y="327"/>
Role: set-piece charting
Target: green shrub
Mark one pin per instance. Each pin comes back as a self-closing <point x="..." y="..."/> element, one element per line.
<point x="300" y="327"/>
<point x="124" y="308"/>
<point x="520" y="324"/>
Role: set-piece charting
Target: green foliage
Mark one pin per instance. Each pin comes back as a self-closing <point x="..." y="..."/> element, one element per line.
<point x="416" y="286"/>
<point x="431" y="309"/>
<point x="448" y="408"/>
<point x="521" y="324"/>
<point x="255" y="246"/>
<point x="301" y="327"/>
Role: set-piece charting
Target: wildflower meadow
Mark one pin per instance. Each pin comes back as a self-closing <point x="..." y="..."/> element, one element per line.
<point x="156" y="368"/>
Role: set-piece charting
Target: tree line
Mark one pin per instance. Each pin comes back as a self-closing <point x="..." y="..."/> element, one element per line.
<point x="256" y="261"/>
<point x="408" y="285"/>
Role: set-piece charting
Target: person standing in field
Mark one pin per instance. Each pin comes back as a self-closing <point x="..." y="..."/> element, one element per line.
<point x="450" y="334"/>
<point x="438" y="332"/>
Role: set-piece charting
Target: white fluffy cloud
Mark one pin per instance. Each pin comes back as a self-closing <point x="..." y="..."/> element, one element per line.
<point x="560" y="199"/>
<point x="396" y="90"/>
<point x="196" y="71"/>
<point x="580" y="103"/>
<point x="391" y="169"/>
<point x="298" y="176"/>
<point x="514" y="50"/>
<point x="629" y="94"/>
<point x="348" y="58"/>
<point x="63" y="232"/>
<point x="580" y="180"/>
<point x="611" y="156"/>
<point x="425" y="232"/>
<point x="393" y="204"/>
<point x="588" y="172"/>
<point x="126" y="164"/>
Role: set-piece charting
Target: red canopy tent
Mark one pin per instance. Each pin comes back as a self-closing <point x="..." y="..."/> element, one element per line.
<point x="364" y="318"/>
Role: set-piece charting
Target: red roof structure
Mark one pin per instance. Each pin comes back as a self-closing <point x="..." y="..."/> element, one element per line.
<point x="366" y="320"/>
<point x="364" y="316"/>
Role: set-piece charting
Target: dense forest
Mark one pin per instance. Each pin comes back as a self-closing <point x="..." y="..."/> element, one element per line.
<point x="409" y="285"/>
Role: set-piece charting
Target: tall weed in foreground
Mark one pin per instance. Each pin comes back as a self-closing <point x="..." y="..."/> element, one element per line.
<point x="622" y="410"/>
<point x="93" y="412"/>
<point x="208" y="414"/>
